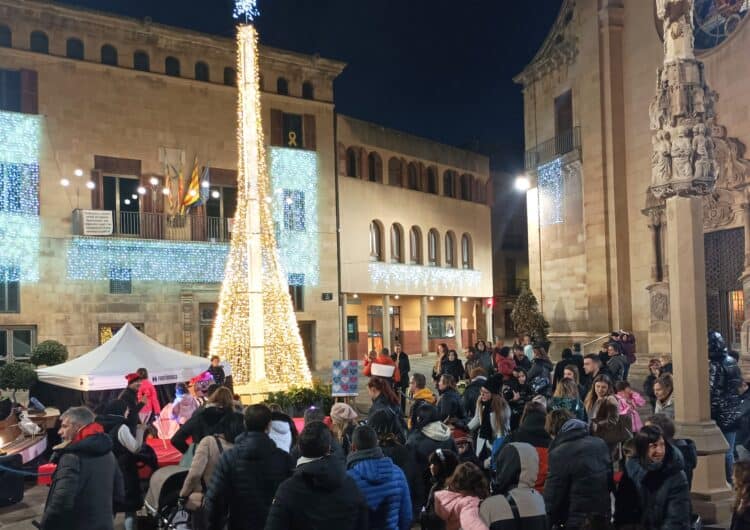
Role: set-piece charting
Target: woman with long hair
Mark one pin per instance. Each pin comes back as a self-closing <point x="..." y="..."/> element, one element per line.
<point x="654" y="369"/>
<point x="566" y="397"/>
<point x="442" y="355"/>
<point x="442" y="464"/>
<point x="491" y="417"/>
<point x="541" y="365"/>
<point x="216" y="416"/>
<point x="458" y="503"/>
<point x="657" y="473"/>
<point x="343" y="422"/>
<point x="601" y="389"/>
<point x="741" y="508"/>
<point x="382" y="395"/>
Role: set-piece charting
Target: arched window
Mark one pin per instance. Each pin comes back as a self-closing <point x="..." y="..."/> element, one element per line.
<point x="172" y="66"/>
<point x="6" y="37"/>
<point x="465" y="187"/>
<point x="397" y="243"/>
<point x="450" y="249"/>
<point x="230" y="76"/>
<point x="308" y="90"/>
<point x="282" y="86"/>
<point x="449" y="181"/>
<point x="109" y="55"/>
<point x="201" y="71"/>
<point x="376" y="241"/>
<point x="466" y="252"/>
<point x="352" y="167"/>
<point x="433" y="248"/>
<point x="374" y="167"/>
<point x="394" y="171"/>
<point x="141" y="62"/>
<point x="412" y="176"/>
<point x="415" y="246"/>
<point x="39" y="42"/>
<point x="432" y="180"/>
<point x="74" y="49"/>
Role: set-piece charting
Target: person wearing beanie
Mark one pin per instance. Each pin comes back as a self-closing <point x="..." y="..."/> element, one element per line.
<point x="319" y="495"/>
<point x="344" y="420"/>
<point x="382" y="482"/>
<point x="532" y="432"/>
<point x="517" y="467"/>
<point x="133" y="403"/>
<point x="491" y="417"/>
<point x="247" y="476"/>
<point x="125" y="447"/>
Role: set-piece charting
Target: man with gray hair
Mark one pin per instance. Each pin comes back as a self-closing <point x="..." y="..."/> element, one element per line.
<point x="87" y="478"/>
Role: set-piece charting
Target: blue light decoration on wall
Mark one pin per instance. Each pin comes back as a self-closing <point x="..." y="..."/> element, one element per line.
<point x="19" y="194"/>
<point x="294" y="197"/>
<point x="92" y="258"/>
<point x="427" y="279"/>
<point x="551" y="183"/>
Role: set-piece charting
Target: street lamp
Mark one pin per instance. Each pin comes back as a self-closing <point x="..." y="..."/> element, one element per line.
<point x="76" y="183"/>
<point x="522" y="183"/>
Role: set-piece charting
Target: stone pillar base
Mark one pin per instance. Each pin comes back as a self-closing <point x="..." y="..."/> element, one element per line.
<point x="712" y="496"/>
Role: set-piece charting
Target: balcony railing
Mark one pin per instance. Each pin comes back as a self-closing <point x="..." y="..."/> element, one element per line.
<point x="144" y="225"/>
<point x="554" y="147"/>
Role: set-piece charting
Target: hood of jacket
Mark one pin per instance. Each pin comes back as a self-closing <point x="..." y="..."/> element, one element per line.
<point x="532" y="431"/>
<point x="374" y="471"/>
<point x="254" y="446"/>
<point x="426" y="395"/>
<point x="363" y="454"/>
<point x="670" y="465"/>
<point x="281" y="434"/>
<point x="96" y="444"/>
<point x="324" y="473"/>
<point x="571" y="430"/>
<point x="517" y="466"/>
<point x="437" y="430"/>
<point x="449" y="504"/>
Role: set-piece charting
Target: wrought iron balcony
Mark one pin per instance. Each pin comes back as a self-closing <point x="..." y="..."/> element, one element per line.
<point x="145" y="225"/>
<point x="554" y="147"/>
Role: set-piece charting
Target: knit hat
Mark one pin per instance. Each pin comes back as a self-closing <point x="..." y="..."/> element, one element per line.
<point x="132" y="378"/>
<point x="494" y="383"/>
<point x="343" y="412"/>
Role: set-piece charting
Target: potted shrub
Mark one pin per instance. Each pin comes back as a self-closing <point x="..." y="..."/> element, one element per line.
<point x="49" y="353"/>
<point x="17" y="376"/>
<point x="527" y="320"/>
<point x="298" y="399"/>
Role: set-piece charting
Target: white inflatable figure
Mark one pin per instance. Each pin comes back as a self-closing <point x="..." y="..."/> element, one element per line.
<point x="27" y="426"/>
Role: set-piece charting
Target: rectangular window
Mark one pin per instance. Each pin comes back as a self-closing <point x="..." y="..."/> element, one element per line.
<point x="294" y="210"/>
<point x="122" y="198"/>
<point x="206" y="316"/>
<point x="10" y="296"/>
<point x="16" y="342"/>
<point x="292" y="126"/>
<point x="352" y="329"/>
<point x="120" y="281"/>
<point x="10" y="90"/>
<point x="442" y="327"/>
<point x="297" y="291"/>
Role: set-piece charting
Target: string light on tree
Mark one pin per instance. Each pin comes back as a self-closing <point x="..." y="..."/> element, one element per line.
<point x="255" y="327"/>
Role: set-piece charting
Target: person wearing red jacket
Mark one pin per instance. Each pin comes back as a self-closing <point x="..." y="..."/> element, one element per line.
<point x="148" y="390"/>
<point x="504" y="363"/>
<point x="383" y="358"/>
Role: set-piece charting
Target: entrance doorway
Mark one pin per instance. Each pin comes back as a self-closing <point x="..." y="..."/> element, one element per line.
<point x="307" y="332"/>
<point x="725" y="301"/>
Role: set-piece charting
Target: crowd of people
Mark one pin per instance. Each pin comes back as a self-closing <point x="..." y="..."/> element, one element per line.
<point x="509" y="440"/>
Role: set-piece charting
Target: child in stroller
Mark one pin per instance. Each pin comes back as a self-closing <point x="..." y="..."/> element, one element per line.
<point x="162" y="499"/>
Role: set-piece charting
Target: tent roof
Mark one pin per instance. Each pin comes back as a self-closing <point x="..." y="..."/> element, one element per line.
<point x="105" y="367"/>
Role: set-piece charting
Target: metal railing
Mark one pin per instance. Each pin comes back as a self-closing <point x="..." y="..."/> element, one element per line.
<point x="552" y="148"/>
<point x="145" y="225"/>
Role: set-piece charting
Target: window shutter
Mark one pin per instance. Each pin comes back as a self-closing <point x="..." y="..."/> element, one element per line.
<point x="308" y="130"/>
<point x="277" y="127"/>
<point x="97" y="194"/>
<point x="29" y="92"/>
<point x="342" y="159"/>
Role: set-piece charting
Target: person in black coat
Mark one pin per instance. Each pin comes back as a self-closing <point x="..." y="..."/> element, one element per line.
<point x="541" y="366"/>
<point x="657" y="473"/>
<point x="452" y="365"/>
<point x="217" y="416"/>
<point x="404" y="367"/>
<point x="579" y="478"/>
<point x="319" y="495"/>
<point x="87" y="479"/>
<point x="130" y="396"/>
<point x="245" y="480"/>
<point x="217" y="371"/>
<point x="654" y="369"/>
<point x="471" y="392"/>
<point x="449" y="404"/>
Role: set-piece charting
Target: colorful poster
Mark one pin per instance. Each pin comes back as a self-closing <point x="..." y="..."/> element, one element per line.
<point x="345" y="378"/>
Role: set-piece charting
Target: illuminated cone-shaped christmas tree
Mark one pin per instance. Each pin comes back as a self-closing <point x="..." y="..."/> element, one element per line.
<point x="256" y="328"/>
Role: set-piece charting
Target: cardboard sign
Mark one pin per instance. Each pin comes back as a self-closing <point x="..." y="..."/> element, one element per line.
<point x="345" y="378"/>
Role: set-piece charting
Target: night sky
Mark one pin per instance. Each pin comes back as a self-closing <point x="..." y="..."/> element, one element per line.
<point x="438" y="69"/>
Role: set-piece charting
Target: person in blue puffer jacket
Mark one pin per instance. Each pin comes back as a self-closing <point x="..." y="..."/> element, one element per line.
<point x="382" y="482"/>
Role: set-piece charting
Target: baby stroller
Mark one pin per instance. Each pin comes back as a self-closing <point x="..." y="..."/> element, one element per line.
<point x="161" y="499"/>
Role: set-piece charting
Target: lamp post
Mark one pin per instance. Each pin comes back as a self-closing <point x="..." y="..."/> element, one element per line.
<point x="76" y="181"/>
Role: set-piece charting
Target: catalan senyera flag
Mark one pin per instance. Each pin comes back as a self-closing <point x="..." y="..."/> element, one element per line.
<point x="193" y="192"/>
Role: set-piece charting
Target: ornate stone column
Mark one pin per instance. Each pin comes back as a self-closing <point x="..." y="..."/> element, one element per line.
<point x="683" y="170"/>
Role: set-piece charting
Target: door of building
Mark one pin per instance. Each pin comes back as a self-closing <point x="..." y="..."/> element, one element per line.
<point x="724" y="297"/>
<point x="307" y="332"/>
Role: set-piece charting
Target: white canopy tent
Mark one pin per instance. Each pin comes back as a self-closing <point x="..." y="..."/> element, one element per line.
<point x="105" y="367"/>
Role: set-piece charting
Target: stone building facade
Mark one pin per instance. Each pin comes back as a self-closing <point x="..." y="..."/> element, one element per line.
<point x="91" y="100"/>
<point x="596" y="233"/>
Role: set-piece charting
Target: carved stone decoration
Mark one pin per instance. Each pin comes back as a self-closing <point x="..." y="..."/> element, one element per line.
<point x="717" y="209"/>
<point x="681" y="112"/>
<point x="659" y="302"/>
<point x="729" y="154"/>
